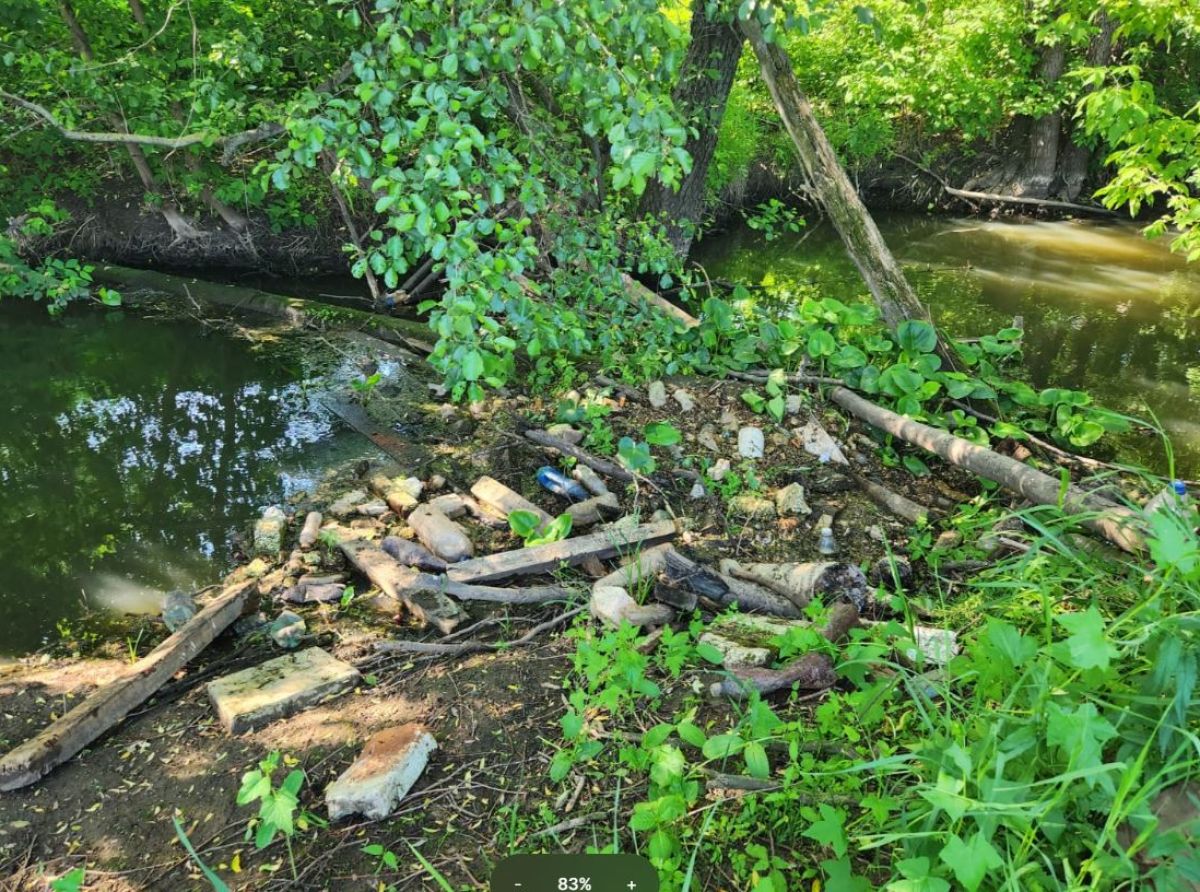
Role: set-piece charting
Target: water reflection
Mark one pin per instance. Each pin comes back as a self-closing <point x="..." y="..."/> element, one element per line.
<point x="1105" y="309"/>
<point x="130" y="454"/>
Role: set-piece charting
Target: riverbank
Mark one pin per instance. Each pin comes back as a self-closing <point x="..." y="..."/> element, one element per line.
<point x="499" y="715"/>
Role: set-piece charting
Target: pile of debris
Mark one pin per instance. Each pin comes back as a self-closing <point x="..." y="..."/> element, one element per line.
<point x="417" y="544"/>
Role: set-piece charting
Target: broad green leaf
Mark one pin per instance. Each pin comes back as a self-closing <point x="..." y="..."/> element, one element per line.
<point x="971" y="861"/>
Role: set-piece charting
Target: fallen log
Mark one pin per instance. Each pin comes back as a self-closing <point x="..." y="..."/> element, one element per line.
<point x="103" y="709"/>
<point x="406" y="587"/>
<point x="1113" y="522"/>
<point x="637" y="290"/>
<point x="294" y="310"/>
<point x="604" y="543"/>
<point x="801" y="582"/>
<point x="893" y="501"/>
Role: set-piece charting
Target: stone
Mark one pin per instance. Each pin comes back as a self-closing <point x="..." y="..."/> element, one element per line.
<point x="794" y="403"/>
<point x="729" y="420"/>
<point x="279" y="688"/>
<point x="411" y="485"/>
<point x="401" y="495"/>
<point x="657" y="394"/>
<point x="718" y="471"/>
<point x="288" y="630"/>
<point x="752" y="507"/>
<point x="947" y="539"/>
<point x="441" y="535"/>
<point x="311" y="530"/>
<point x="446" y="411"/>
<point x="708" y="438"/>
<point x="314" y="592"/>
<point x="660" y="515"/>
<point x="824" y="522"/>
<point x="789" y="501"/>
<point x="374" y="508"/>
<point x="346" y="504"/>
<point x="257" y="567"/>
<point x="268" y="531"/>
<point x="610" y="603"/>
<point x="698" y="491"/>
<point x="435" y="483"/>
<point x="751" y="443"/>
<point x="685" y="400"/>
<point x="816" y="441"/>
<point x="875" y="531"/>
<point x="390" y="763"/>
<point x="178" y="607"/>
<point x="736" y="654"/>
<point x="565" y="433"/>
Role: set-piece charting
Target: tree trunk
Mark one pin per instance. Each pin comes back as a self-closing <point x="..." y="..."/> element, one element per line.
<point x="894" y="296"/>
<point x="1038" y="176"/>
<point x="1076" y="157"/>
<point x="701" y="94"/>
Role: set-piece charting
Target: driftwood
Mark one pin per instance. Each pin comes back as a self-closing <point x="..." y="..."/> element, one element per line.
<point x="469" y="647"/>
<point x="604" y="543"/>
<point x="680" y="572"/>
<point x="424" y="600"/>
<point x="1114" y="522"/>
<point x="801" y="582"/>
<point x="396" y="447"/>
<point x="812" y="672"/>
<point x="636" y="289"/>
<point x="599" y="465"/>
<point x="103" y="709"/>
<point x="296" y="311"/>
<point x="893" y="501"/>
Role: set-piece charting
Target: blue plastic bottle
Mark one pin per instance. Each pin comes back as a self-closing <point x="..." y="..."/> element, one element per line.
<point x="561" y="485"/>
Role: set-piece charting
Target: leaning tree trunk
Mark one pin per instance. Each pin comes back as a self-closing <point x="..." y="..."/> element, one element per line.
<point x="1038" y="175"/>
<point x="1076" y="157"/>
<point x="894" y="296"/>
<point x="701" y="94"/>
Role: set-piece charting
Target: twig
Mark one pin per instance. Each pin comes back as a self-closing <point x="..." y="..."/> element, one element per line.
<point x="469" y="647"/>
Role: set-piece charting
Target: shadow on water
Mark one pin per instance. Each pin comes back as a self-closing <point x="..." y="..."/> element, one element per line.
<point x="1105" y="310"/>
<point x="131" y="453"/>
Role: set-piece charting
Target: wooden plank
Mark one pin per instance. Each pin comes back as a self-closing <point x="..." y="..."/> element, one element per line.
<point x="384" y="437"/>
<point x="37" y="756"/>
<point x="605" y="543"/>
<point x="404" y="585"/>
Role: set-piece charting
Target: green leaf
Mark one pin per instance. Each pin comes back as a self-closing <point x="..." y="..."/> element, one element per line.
<point x="1087" y="647"/>
<point x="971" y="861"/>
<point x="450" y="65"/>
<point x="840" y="877"/>
<point x="689" y="733"/>
<point x="757" y="762"/>
<point x="661" y="434"/>
<point x="915" y="336"/>
<point x="710" y="653"/>
<point x="524" y="523"/>
<point x="472" y="365"/>
<point x="820" y="343"/>
<point x="722" y="746"/>
<point x="830" y="830"/>
<point x="554" y="531"/>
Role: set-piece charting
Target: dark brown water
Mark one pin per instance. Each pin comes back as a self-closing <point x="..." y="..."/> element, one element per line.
<point x="1105" y="310"/>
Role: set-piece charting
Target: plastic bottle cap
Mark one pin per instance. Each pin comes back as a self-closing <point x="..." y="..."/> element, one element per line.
<point x="1179" y="487"/>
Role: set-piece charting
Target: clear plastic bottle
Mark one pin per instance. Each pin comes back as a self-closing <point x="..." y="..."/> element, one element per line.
<point x="1173" y="497"/>
<point x="827" y="545"/>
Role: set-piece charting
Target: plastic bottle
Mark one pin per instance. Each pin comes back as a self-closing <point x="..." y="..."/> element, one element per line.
<point x="1174" y="497"/>
<point x="561" y="485"/>
<point x="827" y="545"/>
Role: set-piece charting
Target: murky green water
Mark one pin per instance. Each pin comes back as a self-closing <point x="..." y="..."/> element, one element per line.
<point x="1105" y="310"/>
<point x="131" y="452"/>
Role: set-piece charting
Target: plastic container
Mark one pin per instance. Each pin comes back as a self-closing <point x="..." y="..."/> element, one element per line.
<point x="1174" y="497"/>
<point x="827" y="545"/>
<point x="561" y="485"/>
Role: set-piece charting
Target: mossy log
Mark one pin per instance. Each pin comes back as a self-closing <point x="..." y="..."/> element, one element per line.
<point x="296" y="311"/>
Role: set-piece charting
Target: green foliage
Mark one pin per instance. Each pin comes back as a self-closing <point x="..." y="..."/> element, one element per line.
<point x="530" y="528"/>
<point x="71" y="881"/>
<point x="774" y="219"/>
<point x="209" y="874"/>
<point x="279" y="810"/>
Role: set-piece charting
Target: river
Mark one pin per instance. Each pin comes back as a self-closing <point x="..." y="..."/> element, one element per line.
<point x="132" y="453"/>
<point x="1105" y="310"/>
